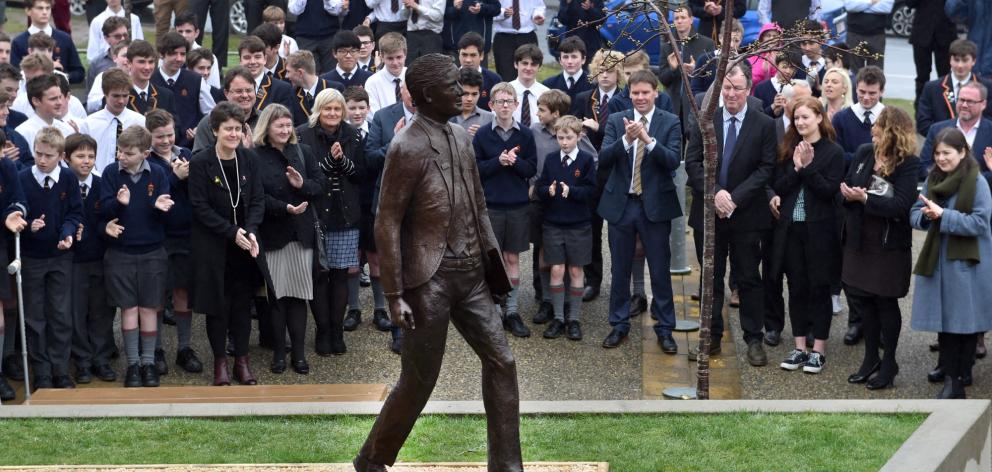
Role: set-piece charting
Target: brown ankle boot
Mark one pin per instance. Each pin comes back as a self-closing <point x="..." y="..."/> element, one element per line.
<point x="242" y="371"/>
<point x="221" y="376"/>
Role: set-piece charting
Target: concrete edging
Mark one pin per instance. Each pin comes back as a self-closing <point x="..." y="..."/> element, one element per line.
<point x="956" y="436"/>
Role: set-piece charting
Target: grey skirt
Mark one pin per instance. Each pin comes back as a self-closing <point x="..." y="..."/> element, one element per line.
<point x="291" y="269"/>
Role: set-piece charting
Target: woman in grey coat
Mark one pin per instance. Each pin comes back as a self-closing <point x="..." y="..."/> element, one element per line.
<point x="953" y="285"/>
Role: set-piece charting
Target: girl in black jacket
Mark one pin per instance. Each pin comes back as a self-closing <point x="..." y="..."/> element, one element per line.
<point x="811" y="166"/>
<point x="341" y="158"/>
<point x="290" y="178"/>
<point x="878" y="192"/>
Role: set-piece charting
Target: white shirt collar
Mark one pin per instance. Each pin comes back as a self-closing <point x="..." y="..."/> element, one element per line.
<point x="120" y="13"/>
<point x="576" y="77"/>
<point x="88" y="181"/>
<point x="40" y="176"/>
<point x="342" y="72"/>
<point x="258" y="80"/>
<point x="820" y="63"/>
<point x="609" y="94"/>
<point x="956" y="84"/>
<point x="139" y="90"/>
<point x="859" y="111"/>
<point x="166" y="76"/>
<point x="637" y="115"/>
<point x="34" y="29"/>
<point x="313" y="88"/>
<point x="739" y="115"/>
<point x="569" y="157"/>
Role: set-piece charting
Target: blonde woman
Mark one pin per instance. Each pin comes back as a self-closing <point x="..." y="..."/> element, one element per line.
<point x="836" y="91"/>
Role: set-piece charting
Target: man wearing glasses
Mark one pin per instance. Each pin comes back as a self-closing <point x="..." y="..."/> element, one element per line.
<point x="346" y="49"/>
<point x="99" y="42"/>
<point x="239" y="89"/>
<point x="971" y="104"/>
<point x="115" y="30"/>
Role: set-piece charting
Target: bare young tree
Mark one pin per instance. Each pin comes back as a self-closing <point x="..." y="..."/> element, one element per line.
<point x="652" y="17"/>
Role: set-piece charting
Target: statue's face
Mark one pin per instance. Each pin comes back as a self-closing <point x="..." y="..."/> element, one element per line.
<point x="446" y="99"/>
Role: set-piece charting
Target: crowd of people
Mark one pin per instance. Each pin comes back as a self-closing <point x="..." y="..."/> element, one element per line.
<point x="173" y="189"/>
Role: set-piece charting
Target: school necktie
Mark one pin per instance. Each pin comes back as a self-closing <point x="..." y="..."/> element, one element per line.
<point x="47" y="185"/>
<point x="571" y="82"/>
<point x="868" y="118"/>
<point x="144" y="97"/>
<point x="638" y="159"/>
<point x="525" y="110"/>
<point x="564" y="160"/>
<point x="414" y="14"/>
<point x="308" y="101"/>
<point x="346" y="76"/>
<point x="84" y="190"/>
<point x="394" y="5"/>
<point x="728" y="150"/>
<point x="604" y="110"/>
<point x="398" y="96"/>
<point x="171" y="82"/>
<point x="516" y="14"/>
<point x="120" y="128"/>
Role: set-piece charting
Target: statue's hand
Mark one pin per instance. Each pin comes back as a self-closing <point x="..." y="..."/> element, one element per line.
<point x="400" y="313"/>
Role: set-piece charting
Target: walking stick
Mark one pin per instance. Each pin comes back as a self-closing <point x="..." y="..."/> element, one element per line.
<point x="15" y="269"/>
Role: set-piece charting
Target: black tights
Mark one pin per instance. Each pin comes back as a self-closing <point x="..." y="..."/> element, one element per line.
<point x="292" y="313"/>
<point x="330" y="300"/>
<point x="881" y="323"/>
<point x="957" y="353"/>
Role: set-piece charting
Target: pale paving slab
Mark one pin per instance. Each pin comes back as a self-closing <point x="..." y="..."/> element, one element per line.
<point x="427" y="467"/>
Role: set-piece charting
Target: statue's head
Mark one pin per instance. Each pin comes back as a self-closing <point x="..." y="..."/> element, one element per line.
<point x="432" y="81"/>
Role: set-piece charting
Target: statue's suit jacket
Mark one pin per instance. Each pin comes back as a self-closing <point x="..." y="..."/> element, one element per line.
<point x="414" y="217"/>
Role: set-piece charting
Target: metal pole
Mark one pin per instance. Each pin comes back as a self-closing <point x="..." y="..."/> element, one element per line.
<point x="15" y="268"/>
<point x="676" y="240"/>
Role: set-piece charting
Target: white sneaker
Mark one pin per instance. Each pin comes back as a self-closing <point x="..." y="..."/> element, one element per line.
<point x="835" y="301"/>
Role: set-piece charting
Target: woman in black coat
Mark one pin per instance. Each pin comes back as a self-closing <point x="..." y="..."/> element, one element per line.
<point x="290" y="178"/>
<point x="225" y="192"/>
<point x="878" y="192"/>
<point x="338" y="149"/>
<point x="807" y="247"/>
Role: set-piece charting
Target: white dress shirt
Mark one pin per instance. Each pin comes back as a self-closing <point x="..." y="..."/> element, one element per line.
<point x="382" y="10"/>
<point x="97" y="46"/>
<point x="880" y="7"/>
<point x="382" y="89"/>
<point x="529" y="9"/>
<point x="859" y="111"/>
<point x="76" y="109"/>
<point x="536" y="90"/>
<point x="40" y="176"/>
<point x="631" y="148"/>
<point x="34" y="29"/>
<point x="29" y="129"/>
<point x="333" y="7"/>
<point x="569" y="157"/>
<point x="102" y="126"/>
<point x="575" y="78"/>
<point x="430" y="17"/>
<point x="969" y="135"/>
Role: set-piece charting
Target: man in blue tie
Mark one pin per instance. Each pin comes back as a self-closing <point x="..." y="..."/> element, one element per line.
<point x="641" y="150"/>
<point x="745" y="160"/>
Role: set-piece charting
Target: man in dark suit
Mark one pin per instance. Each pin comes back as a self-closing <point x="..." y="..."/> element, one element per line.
<point x="641" y="151"/>
<point x="938" y="101"/>
<point x="972" y="102"/>
<point x="268" y="89"/>
<point x="745" y="162"/>
<point x="440" y="262"/>
<point x="301" y="71"/>
<point x="190" y="100"/>
<point x="931" y="37"/>
<point x="347" y="46"/>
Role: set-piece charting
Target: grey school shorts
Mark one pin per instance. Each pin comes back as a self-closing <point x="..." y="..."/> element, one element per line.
<point x="569" y="246"/>
<point x="512" y="228"/>
<point x="135" y="280"/>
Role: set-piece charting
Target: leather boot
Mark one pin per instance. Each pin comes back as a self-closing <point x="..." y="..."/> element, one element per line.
<point x="221" y="376"/>
<point x="953" y="389"/>
<point x="242" y="371"/>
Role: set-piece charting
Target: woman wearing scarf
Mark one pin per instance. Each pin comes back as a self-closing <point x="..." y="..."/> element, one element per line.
<point x="807" y="246"/>
<point x="953" y="288"/>
<point x="338" y="149"/>
<point x="878" y="192"/>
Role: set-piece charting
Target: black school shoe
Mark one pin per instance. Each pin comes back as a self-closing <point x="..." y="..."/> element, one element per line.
<point x="555" y="330"/>
<point x="104" y="372"/>
<point x="62" y="381"/>
<point x="544" y="313"/>
<point x="161" y="367"/>
<point x="186" y="358"/>
<point x="133" y="376"/>
<point x="516" y="326"/>
<point x="352" y="319"/>
<point x="83" y="375"/>
<point x="7" y="392"/>
<point x="574" y="331"/>
<point x="12" y="368"/>
<point x="380" y="319"/>
<point x="41" y="381"/>
<point x="149" y="376"/>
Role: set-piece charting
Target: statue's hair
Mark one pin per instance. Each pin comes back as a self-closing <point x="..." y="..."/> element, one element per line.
<point x="426" y="72"/>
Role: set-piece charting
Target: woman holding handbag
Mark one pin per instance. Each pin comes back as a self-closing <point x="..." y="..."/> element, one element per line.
<point x="290" y="179"/>
<point x="340" y="156"/>
<point x="878" y="192"/>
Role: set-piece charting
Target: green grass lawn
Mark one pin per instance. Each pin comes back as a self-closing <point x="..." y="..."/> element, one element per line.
<point x="630" y="443"/>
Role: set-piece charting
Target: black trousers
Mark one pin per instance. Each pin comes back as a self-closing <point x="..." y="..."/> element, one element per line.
<point x="504" y="45"/>
<point x="458" y="293"/>
<point x="744" y="251"/>
<point x="925" y="58"/>
<point x="957" y="352"/>
<point x="330" y="301"/>
<point x="235" y="317"/>
<point x="774" y="295"/>
<point x="322" y="52"/>
<point x="92" y="318"/>
<point x="220" y="22"/>
<point x="47" y="313"/>
<point x="421" y="42"/>
<point x="383" y="27"/>
<point x="809" y="303"/>
<point x="881" y="324"/>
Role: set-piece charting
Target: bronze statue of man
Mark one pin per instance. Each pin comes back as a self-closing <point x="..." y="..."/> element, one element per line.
<point x="439" y="261"/>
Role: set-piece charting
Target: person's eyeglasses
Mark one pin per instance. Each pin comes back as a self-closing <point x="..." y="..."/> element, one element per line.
<point x="965" y="101"/>
<point x="242" y="91"/>
<point x="504" y="102"/>
<point x="347" y="52"/>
